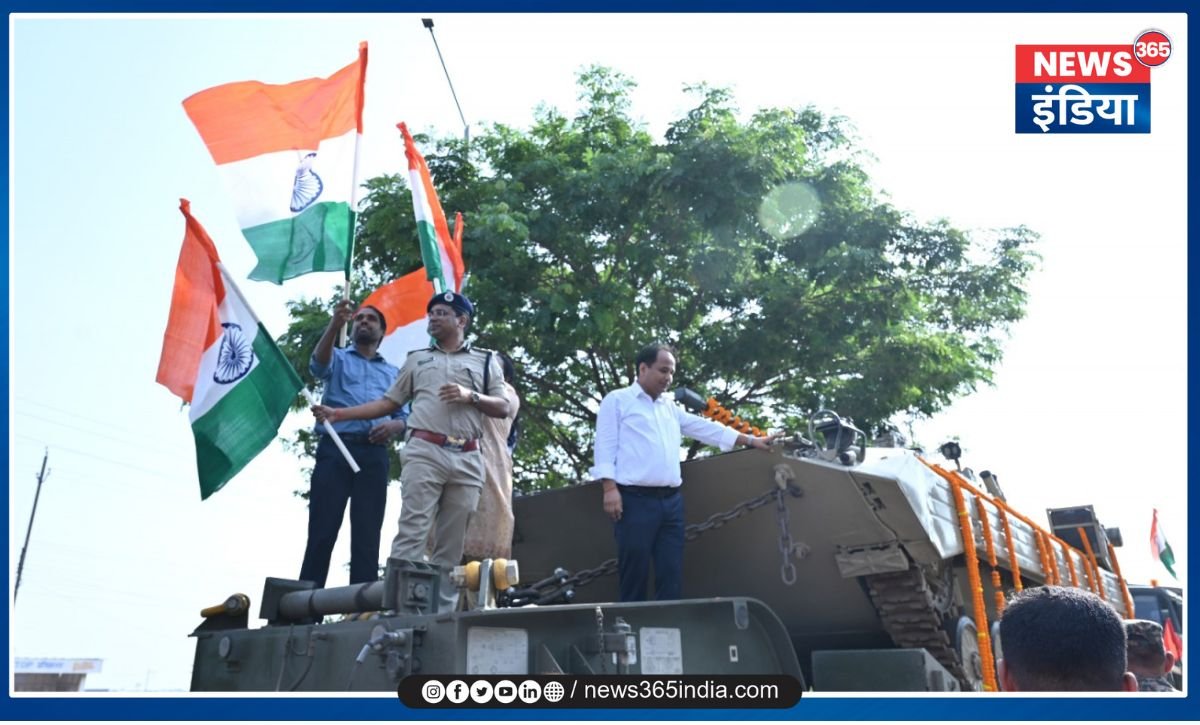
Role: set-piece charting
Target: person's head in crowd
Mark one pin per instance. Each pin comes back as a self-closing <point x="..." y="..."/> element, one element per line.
<point x="1062" y="639"/>
<point x="1147" y="656"/>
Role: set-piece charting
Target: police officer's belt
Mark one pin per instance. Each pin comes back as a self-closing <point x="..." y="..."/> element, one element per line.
<point x="652" y="491"/>
<point x="451" y="442"/>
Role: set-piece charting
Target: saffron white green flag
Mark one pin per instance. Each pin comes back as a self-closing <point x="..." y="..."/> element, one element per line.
<point x="403" y="302"/>
<point x="441" y="253"/>
<point x="289" y="157"/>
<point x="1162" y="549"/>
<point x="217" y="356"/>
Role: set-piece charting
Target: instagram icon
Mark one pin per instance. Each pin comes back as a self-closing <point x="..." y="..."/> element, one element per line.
<point x="433" y="692"/>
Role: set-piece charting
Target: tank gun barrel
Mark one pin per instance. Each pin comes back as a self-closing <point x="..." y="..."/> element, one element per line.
<point x="408" y="586"/>
<point x="311" y="603"/>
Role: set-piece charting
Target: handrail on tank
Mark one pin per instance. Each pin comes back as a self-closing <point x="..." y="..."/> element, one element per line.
<point x="997" y="584"/>
<point x="974" y="580"/>
<point x="1012" y="551"/>
<point x="1049" y="575"/>
<point x="1087" y="547"/>
<point x="1112" y="555"/>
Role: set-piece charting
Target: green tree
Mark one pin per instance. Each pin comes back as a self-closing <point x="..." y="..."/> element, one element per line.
<point x="759" y="247"/>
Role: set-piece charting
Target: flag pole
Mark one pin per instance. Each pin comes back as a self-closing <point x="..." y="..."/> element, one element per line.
<point x="228" y="280"/>
<point x="362" y="81"/>
<point x="337" y="440"/>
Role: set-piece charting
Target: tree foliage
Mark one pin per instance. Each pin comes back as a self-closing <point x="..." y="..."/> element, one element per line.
<point x="759" y="247"/>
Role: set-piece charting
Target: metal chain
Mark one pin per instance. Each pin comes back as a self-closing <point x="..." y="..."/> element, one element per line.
<point x="787" y="567"/>
<point x="716" y="521"/>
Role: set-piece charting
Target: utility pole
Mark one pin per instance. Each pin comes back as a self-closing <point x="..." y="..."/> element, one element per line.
<point x="42" y="476"/>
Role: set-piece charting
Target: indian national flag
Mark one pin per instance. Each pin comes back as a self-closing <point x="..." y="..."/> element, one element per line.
<point x="217" y="356"/>
<point x="1158" y="543"/>
<point x="441" y="253"/>
<point x="1172" y="642"/>
<point x="289" y="156"/>
<point x="403" y="303"/>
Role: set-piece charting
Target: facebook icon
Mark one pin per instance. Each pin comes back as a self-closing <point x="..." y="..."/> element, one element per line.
<point x="457" y="692"/>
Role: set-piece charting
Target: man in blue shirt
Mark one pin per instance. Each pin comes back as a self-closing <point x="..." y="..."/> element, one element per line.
<point x="638" y="435"/>
<point x="352" y="375"/>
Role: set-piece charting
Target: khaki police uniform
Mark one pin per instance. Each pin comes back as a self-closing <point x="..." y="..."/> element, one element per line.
<point x="441" y="484"/>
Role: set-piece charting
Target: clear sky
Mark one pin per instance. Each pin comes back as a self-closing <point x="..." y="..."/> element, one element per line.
<point x="1089" y="406"/>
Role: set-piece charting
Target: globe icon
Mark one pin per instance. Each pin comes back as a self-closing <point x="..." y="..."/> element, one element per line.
<point x="553" y="691"/>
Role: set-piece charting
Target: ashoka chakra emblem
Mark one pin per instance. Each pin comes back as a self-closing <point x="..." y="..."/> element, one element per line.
<point x="235" y="355"/>
<point x="308" y="186"/>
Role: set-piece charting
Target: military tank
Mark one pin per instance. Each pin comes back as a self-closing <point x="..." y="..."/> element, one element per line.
<point x="814" y="560"/>
<point x="861" y="553"/>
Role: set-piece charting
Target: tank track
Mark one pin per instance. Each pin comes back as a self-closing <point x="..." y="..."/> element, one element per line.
<point x="914" y="615"/>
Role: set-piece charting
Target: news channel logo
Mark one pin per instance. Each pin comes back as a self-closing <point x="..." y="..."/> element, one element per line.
<point x="1088" y="88"/>
<point x="483" y="692"/>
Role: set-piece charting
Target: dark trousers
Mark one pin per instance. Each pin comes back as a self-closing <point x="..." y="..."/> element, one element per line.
<point x="650" y="529"/>
<point x="332" y="484"/>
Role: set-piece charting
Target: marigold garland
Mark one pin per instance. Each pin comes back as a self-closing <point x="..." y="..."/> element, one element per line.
<point x="997" y="585"/>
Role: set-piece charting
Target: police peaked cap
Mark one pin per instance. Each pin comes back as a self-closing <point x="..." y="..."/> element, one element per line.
<point x="459" y="302"/>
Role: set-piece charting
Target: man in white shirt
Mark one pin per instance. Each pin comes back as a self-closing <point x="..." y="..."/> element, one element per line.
<point x="638" y="436"/>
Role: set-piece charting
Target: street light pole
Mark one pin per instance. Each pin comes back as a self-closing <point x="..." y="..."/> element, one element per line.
<point x="428" y="23"/>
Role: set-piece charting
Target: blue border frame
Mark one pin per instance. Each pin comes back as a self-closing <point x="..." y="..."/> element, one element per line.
<point x="595" y="6"/>
<point x="949" y="708"/>
<point x="334" y="708"/>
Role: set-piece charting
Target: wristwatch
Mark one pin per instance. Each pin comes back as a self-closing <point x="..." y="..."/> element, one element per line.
<point x="474" y="397"/>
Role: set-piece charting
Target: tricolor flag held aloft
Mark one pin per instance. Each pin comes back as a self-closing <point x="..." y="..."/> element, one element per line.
<point x="403" y="303"/>
<point x="1158" y="543"/>
<point x="289" y="156"/>
<point x="441" y="253"/>
<point x="217" y="356"/>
